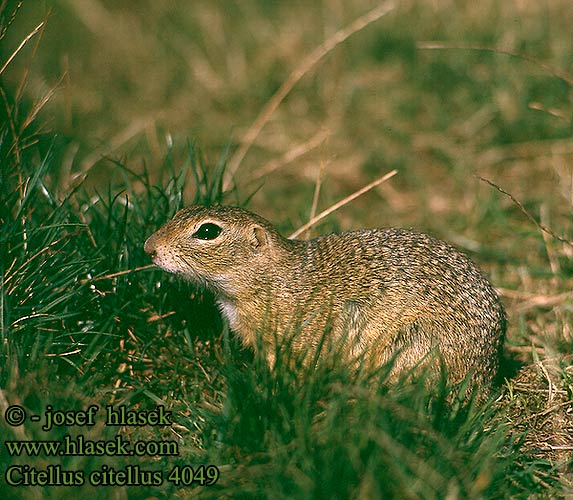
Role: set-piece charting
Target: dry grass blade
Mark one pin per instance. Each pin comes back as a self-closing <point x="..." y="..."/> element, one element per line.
<point x="132" y="130"/>
<point x="119" y="273"/>
<point x="543" y="301"/>
<point x="529" y="301"/>
<point x="3" y="6"/>
<point x="341" y="203"/>
<point x="446" y="46"/>
<point x="290" y="156"/>
<point x="318" y="185"/>
<point x="21" y="46"/>
<point x="39" y="105"/>
<point x="525" y="150"/>
<point x="541" y="227"/>
<point x="306" y="65"/>
<point x="550" y="385"/>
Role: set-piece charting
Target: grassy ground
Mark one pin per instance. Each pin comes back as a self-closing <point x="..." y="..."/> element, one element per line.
<point x="101" y="115"/>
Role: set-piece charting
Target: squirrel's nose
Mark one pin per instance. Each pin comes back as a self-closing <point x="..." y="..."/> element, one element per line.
<point x="149" y="247"/>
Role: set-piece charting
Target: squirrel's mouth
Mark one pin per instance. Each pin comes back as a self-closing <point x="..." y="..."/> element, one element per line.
<point x="168" y="266"/>
<point x="165" y="260"/>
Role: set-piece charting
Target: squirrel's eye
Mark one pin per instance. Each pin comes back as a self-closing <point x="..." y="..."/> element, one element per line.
<point x="207" y="231"/>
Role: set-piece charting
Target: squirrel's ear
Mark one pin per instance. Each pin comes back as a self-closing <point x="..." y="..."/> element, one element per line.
<point x="258" y="237"/>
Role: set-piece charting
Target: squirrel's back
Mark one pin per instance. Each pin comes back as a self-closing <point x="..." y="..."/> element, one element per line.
<point x="409" y="292"/>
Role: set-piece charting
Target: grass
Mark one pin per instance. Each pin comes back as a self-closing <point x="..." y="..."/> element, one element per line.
<point x="87" y="174"/>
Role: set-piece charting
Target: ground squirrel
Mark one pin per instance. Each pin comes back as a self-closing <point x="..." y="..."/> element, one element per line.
<point x="388" y="293"/>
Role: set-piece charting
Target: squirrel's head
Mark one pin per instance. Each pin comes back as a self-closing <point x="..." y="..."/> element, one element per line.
<point x="218" y="247"/>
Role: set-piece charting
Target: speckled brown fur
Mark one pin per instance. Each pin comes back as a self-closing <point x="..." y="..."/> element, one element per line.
<point x="383" y="291"/>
